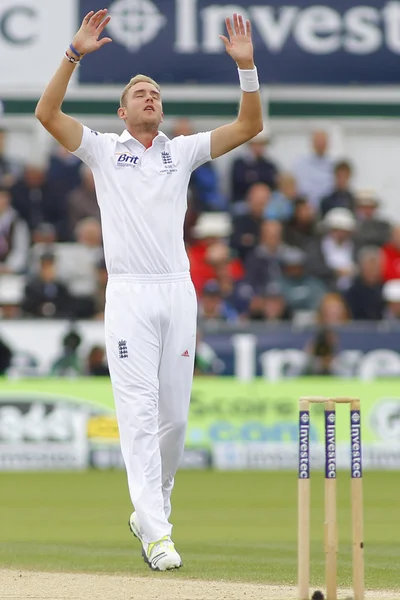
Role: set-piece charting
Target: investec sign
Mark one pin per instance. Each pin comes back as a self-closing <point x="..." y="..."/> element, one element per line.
<point x="316" y="29"/>
<point x="334" y="41"/>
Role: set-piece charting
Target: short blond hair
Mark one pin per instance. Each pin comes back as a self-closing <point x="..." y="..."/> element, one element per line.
<point x="137" y="79"/>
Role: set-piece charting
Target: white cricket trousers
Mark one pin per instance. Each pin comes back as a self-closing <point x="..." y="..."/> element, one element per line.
<point x="150" y="326"/>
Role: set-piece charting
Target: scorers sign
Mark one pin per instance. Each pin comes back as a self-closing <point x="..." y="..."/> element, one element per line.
<point x="335" y="41"/>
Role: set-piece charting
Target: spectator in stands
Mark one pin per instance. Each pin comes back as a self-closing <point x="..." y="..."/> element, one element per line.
<point x="204" y="182"/>
<point x="337" y="246"/>
<point x="64" y="169"/>
<point x="391" y="256"/>
<point x="253" y="167"/>
<point x="211" y="228"/>
<point x="301" y="291"/>
<point x="96" y="365"/>
<point x="282" y="202"/>
<point x="364" y="297"/>
<point x="322" y="352"/>
<point x="6" y="356"/>
<point x="39" y="201"/>
<point x="236" y="293"/>
<point x="45" y="295"/>
<point x="314" y="173"/>
<point x="264" y="264"/>
<point x="82" y="201"/>
<point x="68" y="364"/>
<point x="246" y="227"/>
<point x="333" y="310"/>
<point x="14" y="237"/>
<point x="8" y="171"/>
<point x="391" y="296"/>
<point x="302" y="228"/>
<point x="371" y="230"/>
<point x="213" y="307"/>
<point x="342" y="196"/>
<point x="269" y="304"/>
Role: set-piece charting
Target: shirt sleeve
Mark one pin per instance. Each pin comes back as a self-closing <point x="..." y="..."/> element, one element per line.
<point x="92" y="148"/>
<point x="196" y="149"/>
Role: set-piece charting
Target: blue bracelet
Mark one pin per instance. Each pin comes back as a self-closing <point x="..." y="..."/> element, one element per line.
<point x="75" y="51"/>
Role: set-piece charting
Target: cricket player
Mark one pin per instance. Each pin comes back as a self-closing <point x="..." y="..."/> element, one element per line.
<point x="141" y="180"/>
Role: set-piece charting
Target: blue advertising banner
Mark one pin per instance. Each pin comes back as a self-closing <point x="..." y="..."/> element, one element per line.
<point x="298" y="42"/>
<point x="362" y="352"/>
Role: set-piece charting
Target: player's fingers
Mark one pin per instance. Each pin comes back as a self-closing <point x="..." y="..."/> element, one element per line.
<point x="87" y="18"/>
<point x="104" y="41"/>
<point x="236" y="23"/>
<point x="225" y="40"/>
<point x="241" y="25"/>
<point x="229" y="27"/>
<point x="248" y="28"/>
<point x="103" y="25"/>
<point x="97" y="17"/>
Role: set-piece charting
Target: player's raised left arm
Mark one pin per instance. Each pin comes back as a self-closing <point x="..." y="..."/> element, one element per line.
<point x="249" y="121"/>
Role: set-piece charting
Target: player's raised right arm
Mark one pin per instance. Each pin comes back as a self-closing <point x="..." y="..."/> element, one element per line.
<point x="66" y="130"/>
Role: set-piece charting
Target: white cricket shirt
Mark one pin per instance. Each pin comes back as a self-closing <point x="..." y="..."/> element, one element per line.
<point x="142" y="195"/>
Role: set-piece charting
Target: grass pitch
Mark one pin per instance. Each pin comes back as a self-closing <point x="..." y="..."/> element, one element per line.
<point x="227" y="526"/>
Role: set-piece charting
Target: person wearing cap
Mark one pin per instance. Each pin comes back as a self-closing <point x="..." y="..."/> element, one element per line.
<point x="301" y="291"/>
<point x="391" y="296"/>
<point x="14" y="237"/>
<point x="364" y="297"/>
<point x="391" y="255"/>
<point x="314" y="173"/>
<point x="342" y="196"/>
<point x="45" y="296"/>
<point x="252" y="167"/>
<point x="269" y="304"/>
<point x="372" y="230"/>
<point x="337" y="246"/>
<point x="212" y="306"/>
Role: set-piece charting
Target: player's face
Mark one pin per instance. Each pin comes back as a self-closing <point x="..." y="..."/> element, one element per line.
<point x="143" y="105"/>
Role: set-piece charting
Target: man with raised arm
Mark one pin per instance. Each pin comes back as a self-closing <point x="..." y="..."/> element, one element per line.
<point x="141" y="182"/>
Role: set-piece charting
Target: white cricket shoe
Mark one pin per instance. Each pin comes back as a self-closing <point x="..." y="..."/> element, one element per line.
<point x="160" y="555"/>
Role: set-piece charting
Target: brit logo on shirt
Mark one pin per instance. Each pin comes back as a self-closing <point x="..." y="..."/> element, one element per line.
<point x="122" y="349"/>
<point x="168" y="163"/>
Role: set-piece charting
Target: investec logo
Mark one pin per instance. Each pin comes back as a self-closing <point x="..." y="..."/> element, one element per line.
<point x="330" y="450"/>
<point x="304" y="445"/>
<point x="356" y="454"/>
<point x="317" y="29"/>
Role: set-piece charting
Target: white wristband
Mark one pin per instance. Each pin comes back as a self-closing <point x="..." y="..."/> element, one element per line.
<point x="249" y="80"/>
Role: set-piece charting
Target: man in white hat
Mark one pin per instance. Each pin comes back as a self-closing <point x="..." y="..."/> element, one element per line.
<point x="371" y="229"/>
<point x="337" y="245"/>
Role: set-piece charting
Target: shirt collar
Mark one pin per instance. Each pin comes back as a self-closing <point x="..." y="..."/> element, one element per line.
<point x="126" y="136"/>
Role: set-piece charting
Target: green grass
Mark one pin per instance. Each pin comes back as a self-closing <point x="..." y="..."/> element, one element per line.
<point x="228" y="526"/>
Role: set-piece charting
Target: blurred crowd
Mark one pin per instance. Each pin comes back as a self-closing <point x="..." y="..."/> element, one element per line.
<point x="301" y="246"/>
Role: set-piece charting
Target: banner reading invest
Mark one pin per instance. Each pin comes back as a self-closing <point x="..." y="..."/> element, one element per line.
<point x="177" y="41"/>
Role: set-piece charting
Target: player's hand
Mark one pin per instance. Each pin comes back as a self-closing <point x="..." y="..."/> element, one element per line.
<point x="93" y="25"/>
<point x="239" y="45"/>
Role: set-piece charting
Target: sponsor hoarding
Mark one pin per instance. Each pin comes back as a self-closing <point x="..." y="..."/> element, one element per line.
<point x="308" y="42"/>
<point x="255" y="415"/>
